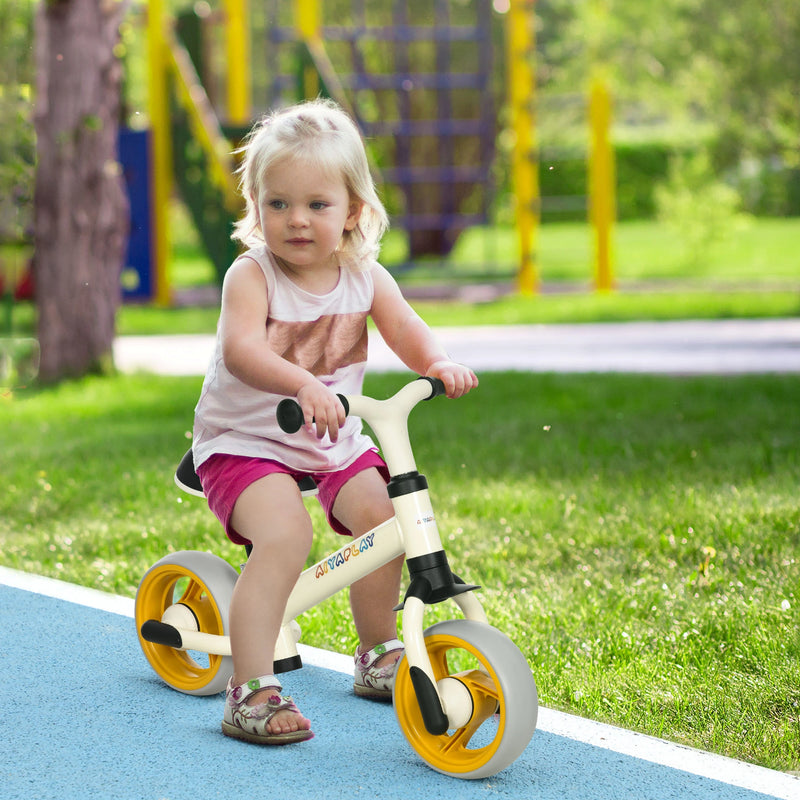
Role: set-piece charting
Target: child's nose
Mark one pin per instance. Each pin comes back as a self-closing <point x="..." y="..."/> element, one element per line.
<point x="298" y="217"/>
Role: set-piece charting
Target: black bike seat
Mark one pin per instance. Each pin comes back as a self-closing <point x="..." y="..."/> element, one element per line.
<point x="186" y="479"/>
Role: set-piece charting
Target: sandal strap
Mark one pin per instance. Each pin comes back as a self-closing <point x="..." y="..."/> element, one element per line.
<point x="366" y="660"/>
<point x="244" y="690"/>
<point x="276" y="703"/>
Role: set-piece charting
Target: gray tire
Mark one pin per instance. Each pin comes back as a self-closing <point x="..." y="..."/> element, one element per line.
<point x="205" y="584"/>
<point x="503" y="693"/>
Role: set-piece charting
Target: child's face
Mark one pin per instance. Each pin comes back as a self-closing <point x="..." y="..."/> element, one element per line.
<point x="304" y="213"/>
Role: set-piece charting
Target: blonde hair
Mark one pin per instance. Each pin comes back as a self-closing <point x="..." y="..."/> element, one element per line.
<point x="321" y="134"/>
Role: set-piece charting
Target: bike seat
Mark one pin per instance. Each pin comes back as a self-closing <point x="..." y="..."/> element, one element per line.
<point x="185" y="476"/>
<point x="187" y="480"/>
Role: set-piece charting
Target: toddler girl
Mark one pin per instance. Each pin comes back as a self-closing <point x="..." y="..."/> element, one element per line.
<point x="293" y="323"/>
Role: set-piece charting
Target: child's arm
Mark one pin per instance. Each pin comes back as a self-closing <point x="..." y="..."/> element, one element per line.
<point x="412" y="340"/>
<point x="243" y="333"/>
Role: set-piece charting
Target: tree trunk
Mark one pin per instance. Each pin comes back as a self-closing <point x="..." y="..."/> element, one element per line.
<point x="80" y="205"/>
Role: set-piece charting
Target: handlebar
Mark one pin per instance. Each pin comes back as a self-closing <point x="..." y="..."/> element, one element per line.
<point x="437" y="386"/>
<point x="290" y="415"/>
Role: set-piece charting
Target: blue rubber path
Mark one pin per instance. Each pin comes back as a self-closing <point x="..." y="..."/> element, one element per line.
<point x="84" y="716"/>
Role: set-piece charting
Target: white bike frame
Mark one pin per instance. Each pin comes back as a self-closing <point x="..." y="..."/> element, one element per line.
<point x="411" y="532"/>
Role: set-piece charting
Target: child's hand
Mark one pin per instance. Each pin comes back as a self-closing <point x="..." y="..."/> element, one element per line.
<point x="321" y="407"/>
<point x="457" y="378"/>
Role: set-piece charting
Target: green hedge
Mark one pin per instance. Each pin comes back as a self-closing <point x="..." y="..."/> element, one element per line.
<point x="767" y="189"/>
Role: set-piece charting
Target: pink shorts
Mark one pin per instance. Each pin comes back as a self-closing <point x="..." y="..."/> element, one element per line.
<point x="224" y="477"/>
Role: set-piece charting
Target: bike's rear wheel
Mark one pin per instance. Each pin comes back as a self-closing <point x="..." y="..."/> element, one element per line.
<point x="502" y="691"/>
<point x="195" y="589"/>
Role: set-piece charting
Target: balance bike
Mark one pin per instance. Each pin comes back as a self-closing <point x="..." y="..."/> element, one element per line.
<point x="464" y="695"/>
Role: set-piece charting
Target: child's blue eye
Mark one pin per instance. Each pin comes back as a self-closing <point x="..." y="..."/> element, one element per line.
<point x="276" y="204"/>
<point x="318" y="205"/>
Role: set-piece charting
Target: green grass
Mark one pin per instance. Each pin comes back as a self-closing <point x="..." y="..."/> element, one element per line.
<point x="515" y="309"/>
<point x="752" y="273"/>
<point x="758" y="250"/>
<point x="637" y="536"/>
<point x="562" y="307"/>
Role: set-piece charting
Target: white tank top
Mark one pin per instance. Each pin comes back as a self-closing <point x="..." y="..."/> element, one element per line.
<point x="325" y="334"/>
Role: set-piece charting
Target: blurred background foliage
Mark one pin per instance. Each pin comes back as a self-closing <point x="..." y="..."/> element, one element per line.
<point x="17" y="141"/>
<point x="696" y="82"/>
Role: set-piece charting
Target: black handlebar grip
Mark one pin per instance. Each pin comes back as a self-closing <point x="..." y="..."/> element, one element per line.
<point x="290" y="415"/>
<point x="437" y="386"/>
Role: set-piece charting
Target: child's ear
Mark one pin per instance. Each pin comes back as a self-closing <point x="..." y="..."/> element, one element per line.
<point x="354" y="214"/>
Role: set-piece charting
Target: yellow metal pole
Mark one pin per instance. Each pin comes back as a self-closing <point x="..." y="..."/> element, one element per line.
<point x="202" y="122"/>
<point x="602" y="182"/>
<point x="521" y="43"/>
<point x="160" y="150"/>
<point x="308" y="20"/>
<point x="237" y="45"/>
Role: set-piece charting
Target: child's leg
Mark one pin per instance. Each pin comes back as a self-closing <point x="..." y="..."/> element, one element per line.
<point x="363" y="504"/>
<point x="270" y="513"/>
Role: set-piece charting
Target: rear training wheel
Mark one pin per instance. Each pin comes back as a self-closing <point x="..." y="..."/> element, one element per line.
<point x="188" y="589"/>
<point x="488" y="684"/>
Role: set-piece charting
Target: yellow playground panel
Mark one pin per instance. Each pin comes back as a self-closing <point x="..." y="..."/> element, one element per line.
<point x="428" y="84"/>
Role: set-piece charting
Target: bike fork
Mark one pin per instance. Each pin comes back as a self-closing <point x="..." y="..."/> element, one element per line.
<point x="431" y="582"/>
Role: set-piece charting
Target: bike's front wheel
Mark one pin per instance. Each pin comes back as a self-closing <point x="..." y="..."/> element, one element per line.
<point x="482" y="669"/>
<point x="191" y="589"/>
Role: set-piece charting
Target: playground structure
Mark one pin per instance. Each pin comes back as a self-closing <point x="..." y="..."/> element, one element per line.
<point x="428" y="95"/>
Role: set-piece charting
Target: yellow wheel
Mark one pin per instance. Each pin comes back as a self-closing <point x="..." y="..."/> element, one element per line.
<point x="190" y="589"/>
<point x="489" y="695"/>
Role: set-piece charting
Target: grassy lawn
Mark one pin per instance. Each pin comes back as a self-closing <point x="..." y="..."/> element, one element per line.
<point x="759" y="250"/>
<point x="752" y="273"/>
<point x="638" y="544"/>
<point x="515" y="309"/>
